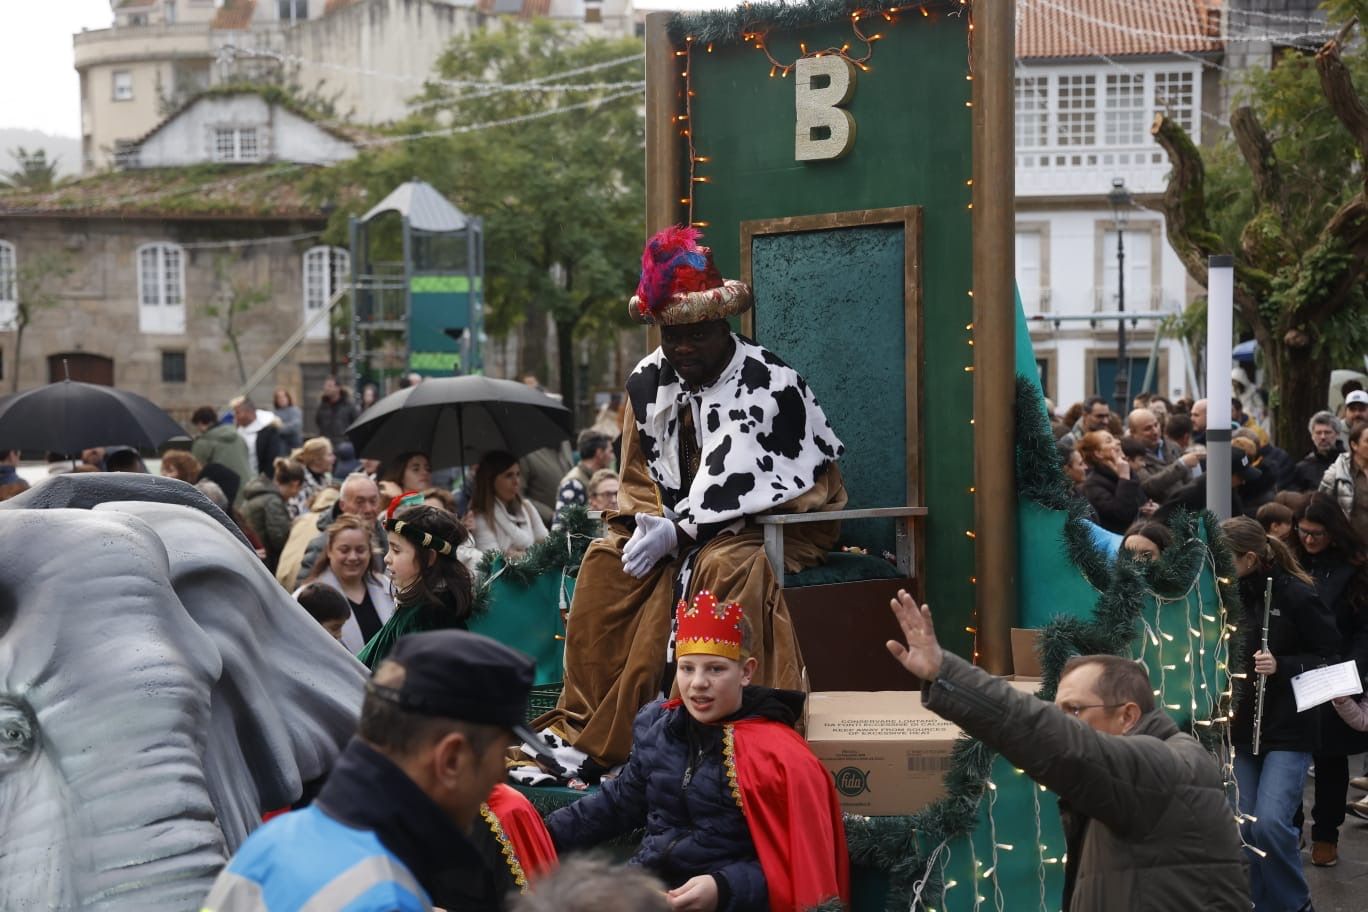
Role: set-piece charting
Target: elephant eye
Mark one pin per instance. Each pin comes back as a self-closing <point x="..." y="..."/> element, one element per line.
<point x="16" y="734"/>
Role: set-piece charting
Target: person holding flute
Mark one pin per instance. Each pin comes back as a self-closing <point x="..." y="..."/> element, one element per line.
<point x="1301" y="635"/>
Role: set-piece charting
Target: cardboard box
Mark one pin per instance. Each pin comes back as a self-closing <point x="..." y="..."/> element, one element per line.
<point x="887" y="753"/>
<point x="1025" y="657"/>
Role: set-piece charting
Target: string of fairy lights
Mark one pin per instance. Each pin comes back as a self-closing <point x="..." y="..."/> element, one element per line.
<point x="1202" y="623"/>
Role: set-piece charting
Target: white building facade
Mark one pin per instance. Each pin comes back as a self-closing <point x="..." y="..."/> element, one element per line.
<point x="1083" y="124"/>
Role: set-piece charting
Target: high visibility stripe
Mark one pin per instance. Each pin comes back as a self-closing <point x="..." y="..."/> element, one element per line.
<point x="356" y="880"/>
<point x="234" y="893"/>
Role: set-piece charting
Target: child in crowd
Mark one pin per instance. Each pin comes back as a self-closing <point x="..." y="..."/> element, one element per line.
<point x="325" y="605"/>
<point x="1276" y="520"/>
<point x="433" y="588"/>
<point x="739" y="815"/>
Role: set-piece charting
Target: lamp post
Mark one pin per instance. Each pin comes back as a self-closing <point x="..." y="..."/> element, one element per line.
<point x="1120" y="200"/>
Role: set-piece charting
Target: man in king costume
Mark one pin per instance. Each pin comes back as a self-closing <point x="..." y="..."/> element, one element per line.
<point x="716" y="432"/>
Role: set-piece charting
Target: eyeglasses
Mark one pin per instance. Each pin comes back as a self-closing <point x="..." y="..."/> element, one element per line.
<point x="1076" y="709"/>
<point x="1311" y="534"/>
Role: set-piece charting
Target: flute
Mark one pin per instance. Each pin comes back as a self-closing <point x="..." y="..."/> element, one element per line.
<point x="1263" y="679"/>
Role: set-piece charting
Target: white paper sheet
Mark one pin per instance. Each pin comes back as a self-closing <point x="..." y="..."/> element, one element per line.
<point x="1321" y="685"/>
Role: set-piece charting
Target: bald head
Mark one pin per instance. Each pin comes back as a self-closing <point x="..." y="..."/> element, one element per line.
<point x="1143" y="425"/>
<point x="360" y="497"/>
<point x="1199" y="410"/>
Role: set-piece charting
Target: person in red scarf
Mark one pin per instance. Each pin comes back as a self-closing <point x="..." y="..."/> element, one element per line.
<point x="739" y="816"/>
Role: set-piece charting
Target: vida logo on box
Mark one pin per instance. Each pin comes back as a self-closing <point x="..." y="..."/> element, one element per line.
<point x="852" y="782"/>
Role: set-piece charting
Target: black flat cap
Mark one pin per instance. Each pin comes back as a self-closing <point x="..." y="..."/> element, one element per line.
<point x="464" y="676"/>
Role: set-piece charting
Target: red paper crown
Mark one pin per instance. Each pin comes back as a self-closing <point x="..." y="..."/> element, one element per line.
<point x="709" y="628"/>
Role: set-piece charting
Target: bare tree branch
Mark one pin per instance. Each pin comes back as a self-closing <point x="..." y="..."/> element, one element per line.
<point x="1339" y="90"/>
<point x="1258" y="155"/>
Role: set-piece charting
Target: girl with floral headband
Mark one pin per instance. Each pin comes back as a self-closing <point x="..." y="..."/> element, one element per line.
<point x="432" y="586"/>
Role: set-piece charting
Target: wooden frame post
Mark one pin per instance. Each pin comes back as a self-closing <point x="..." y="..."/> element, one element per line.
<point x="995" y="551"/>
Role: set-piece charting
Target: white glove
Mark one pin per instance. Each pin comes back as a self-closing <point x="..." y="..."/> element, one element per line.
<point x="653" y="539"/>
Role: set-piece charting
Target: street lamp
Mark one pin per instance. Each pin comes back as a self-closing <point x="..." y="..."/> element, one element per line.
<point x="1120" y="200"/>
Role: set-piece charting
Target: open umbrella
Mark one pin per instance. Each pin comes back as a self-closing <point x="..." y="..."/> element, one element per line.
<point x="68" y="416"/>
<point x="455" y="420"/>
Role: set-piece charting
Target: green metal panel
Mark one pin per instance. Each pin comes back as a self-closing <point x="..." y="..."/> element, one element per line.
<point x="821" y="278"/>
<point x="912" y="147"/>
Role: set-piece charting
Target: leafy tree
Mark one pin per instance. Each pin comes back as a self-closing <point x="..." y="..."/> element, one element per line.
<point x="232" y="301"/>
<point x="562" y="196"/>
<point x="35" y="172"/>
<point x="1289" y="197"/>
<point x="36" y="282"/>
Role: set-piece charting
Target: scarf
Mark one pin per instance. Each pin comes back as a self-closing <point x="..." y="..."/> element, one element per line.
<point x="763" y="437"/>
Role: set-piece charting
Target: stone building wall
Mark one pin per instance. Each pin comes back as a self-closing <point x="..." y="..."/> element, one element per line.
<point x="98" y="312"/>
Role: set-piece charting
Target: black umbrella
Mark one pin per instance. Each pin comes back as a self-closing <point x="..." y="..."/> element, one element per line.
<point x="455" y="420"/>
<point x="68" y="416"/>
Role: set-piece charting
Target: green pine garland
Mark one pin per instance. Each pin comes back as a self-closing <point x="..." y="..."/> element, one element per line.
<point x="561" y="551"/>
<point x="725" y="27"/>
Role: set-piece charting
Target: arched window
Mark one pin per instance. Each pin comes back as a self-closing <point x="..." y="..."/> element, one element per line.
<point x="326" y="269"/>
<point x="9" y="282"/>
<point x="161" y="288"/>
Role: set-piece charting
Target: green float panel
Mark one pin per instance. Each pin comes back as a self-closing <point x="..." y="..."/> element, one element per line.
<point x="913" y="147"/>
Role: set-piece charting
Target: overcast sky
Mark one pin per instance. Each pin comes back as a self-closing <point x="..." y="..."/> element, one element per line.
<point x="42" y="91"/>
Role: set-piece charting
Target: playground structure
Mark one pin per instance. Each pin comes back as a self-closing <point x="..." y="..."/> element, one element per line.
<point x="418" y="286"/>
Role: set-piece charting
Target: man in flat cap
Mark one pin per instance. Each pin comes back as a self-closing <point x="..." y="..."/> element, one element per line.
<point x="391" y="828"/>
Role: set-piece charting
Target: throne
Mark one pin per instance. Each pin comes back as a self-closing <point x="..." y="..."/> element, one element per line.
<point x="838" y="296"/>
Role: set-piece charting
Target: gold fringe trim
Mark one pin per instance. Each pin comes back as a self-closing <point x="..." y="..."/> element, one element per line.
<point x="506" y="846"/>
<point x="729" y="760"/>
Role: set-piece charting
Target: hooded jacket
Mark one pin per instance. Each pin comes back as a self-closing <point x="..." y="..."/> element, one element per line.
<point x="1145" y="815"/>
<point x="676" y="786"/>
<point x="1338" y="482"/>
<point x="221" y="444"/>
<point x="269" y="516"/>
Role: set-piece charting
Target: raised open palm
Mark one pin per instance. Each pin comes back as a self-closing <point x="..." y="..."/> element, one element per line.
<point x="922" y="655"/>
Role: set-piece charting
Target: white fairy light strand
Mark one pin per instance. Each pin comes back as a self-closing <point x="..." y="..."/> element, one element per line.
<point x="1220" y="35"/>
<point x="503" y="122"/>
<point x="920" y="884"/>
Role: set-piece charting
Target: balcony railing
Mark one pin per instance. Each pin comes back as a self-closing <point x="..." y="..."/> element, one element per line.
<point x="1088" y="170"/>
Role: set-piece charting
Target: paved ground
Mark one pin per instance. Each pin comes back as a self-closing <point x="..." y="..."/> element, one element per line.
<point x="1343" y="888"/>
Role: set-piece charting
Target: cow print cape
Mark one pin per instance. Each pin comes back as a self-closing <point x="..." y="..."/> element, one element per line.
<point x="764" y="438"/>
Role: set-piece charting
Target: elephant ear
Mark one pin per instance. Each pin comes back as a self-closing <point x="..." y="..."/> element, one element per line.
<point x="288" y="696"/>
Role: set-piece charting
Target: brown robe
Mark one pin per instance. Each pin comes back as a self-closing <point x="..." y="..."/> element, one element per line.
<point x="619" y="626"/>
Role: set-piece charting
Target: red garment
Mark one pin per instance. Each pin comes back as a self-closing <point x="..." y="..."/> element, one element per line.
<point x="533" y="850"/>
<point x="794" y="815"/>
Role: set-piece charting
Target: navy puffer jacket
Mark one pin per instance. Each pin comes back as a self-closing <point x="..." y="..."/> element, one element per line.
<point x="675" y="785"/>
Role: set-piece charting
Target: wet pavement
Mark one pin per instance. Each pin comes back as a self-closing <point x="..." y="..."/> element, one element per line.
<point x="1343" y="888"/>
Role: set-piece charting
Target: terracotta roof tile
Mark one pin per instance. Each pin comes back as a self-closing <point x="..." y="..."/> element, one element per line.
<point x="234" y="14"/>
<point x="333" y="6"/>
<point x="1116" y="28"/>
<point x="131" y="4"/>
<point x="536" y="9"/>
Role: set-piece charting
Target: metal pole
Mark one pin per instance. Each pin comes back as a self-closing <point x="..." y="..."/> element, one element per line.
<point x="1122" y="393"/>
<point x="1220" y="314"/>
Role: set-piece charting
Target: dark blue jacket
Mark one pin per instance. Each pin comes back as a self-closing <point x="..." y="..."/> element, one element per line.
<point x="675" y="785"/>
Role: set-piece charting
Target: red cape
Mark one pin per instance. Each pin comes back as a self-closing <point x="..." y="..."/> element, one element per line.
<point x="795" y="817"/>
<point x="532" y="852"/>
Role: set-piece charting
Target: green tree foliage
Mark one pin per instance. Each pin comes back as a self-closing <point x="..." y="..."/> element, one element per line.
<point x="562" y="196"/>
<point x="34" y="171"/>
<point x="1286" y="194"/>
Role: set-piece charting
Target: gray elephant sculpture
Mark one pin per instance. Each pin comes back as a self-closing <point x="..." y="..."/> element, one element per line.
<point x="158" y="692"/>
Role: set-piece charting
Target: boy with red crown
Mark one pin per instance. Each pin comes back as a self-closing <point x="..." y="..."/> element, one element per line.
<point x="739" y="815"/>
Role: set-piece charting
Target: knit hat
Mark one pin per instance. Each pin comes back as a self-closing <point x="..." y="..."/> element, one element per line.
<point x="679" y="283"/>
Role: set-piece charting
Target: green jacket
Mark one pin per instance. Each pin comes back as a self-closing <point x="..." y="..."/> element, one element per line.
<point x="222" y="444"/>
<point x="265" y="511"/>
<point x="1146" y="820"/>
